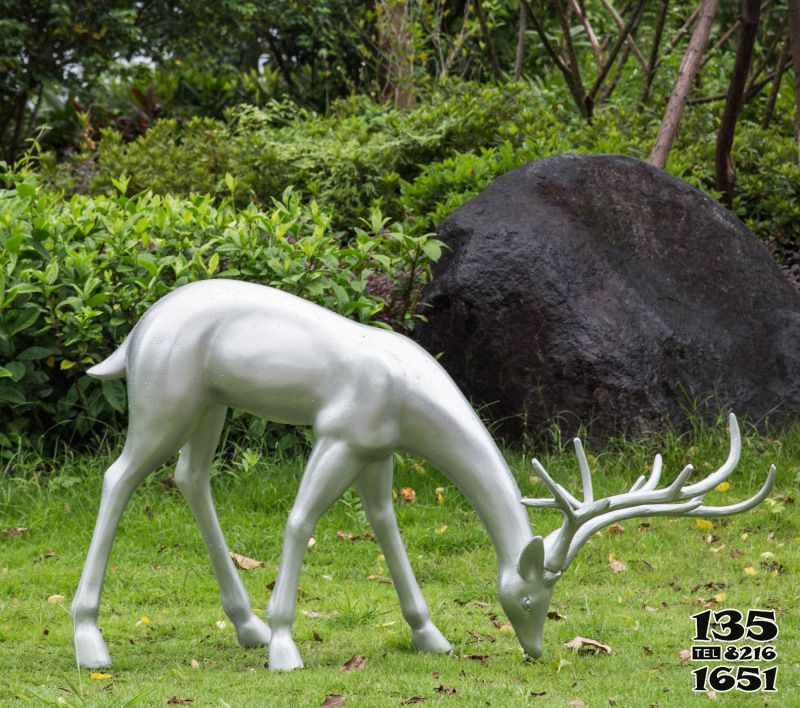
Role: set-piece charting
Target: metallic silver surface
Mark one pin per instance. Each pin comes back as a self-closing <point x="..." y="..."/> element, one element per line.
<point x="582" y="519"/>
<point x="366" y="392"/>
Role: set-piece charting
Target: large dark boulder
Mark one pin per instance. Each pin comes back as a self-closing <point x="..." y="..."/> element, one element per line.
<point x="605" y="291"/>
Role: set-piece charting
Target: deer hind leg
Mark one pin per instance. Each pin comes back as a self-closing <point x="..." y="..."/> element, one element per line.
<point x="192" y="477"/>
<point x="374" y="486"/>
<point x="150" y="443"/>
<point x="331" y="469"/>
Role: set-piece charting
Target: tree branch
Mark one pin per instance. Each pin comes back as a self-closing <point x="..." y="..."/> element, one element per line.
<point x="621" y="39"/>
<point x="680" y="93"/>
<point x="726" y="174"/>
<point x="620" y="24"/>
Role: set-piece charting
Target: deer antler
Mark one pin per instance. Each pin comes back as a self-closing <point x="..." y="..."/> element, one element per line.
<point x="582" y="519"/>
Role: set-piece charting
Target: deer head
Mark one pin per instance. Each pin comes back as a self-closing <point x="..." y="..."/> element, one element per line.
<point x="526" y="598"/>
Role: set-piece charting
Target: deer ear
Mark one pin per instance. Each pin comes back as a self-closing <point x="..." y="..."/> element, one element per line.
<point x="531" y="560"/>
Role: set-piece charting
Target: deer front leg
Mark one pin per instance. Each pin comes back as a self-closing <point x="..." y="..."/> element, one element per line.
<point x="374" y="485"/>
<point x="331" y="469"/>
<point x="192" y="478"/>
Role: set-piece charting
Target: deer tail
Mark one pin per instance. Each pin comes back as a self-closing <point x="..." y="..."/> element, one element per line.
<point x="114" y="366"/>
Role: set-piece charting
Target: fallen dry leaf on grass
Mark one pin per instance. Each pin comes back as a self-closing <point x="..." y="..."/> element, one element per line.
<point x="537" y="694"/>
<point x="584" y="644"/>
<point x="244" y="562"/>
<point x="366" y="536"/>
<point x="616" y="529"/>
<point x="406" y="494"/>
<point x="358" y="661"/>
<point x="97" y="676"/>
<point x="617" y="566"/>
<point x="15" y="531"/>
<point x="684" y="655"/>
<point x="332" y="700"/>
<point x="553" y="615"/>
<point x="380" y="579"/>
<point x="167" y="482"/>
<point x="476" y="657"/>
<point x="412" y="700"/>
<point x="704" y="524"/>
<point x="42" y="556"/>
<point x="180" y="701"/>
<point x="449" y="690"/>
<point x="55" y="599"/>
<point x="577" y="703"/>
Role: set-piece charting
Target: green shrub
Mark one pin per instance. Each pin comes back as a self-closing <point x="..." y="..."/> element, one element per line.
<point x="420" y="164"/>
<point x="76" y="275"/>
<point x="348" y="160"/>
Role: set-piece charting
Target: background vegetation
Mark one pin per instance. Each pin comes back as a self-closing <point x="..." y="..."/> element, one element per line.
<point x="316" y="146"/>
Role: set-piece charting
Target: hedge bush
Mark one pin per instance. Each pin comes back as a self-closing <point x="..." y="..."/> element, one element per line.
<point x="76" y="275"/>
<point x="420" y="164"/>
<point x="350" y="159"/>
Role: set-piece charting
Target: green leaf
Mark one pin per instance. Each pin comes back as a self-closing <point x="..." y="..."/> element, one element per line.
<point x="35" y="353"/>
<point x="122" y="183"/>
<point x="24" y="320"/>
<point x="11" y="394"/>
<point x="230" y="182"/>
<point x="433" y="250"/>
<point x="16" y="369"/>
<point x="25" y="190"/>
<point x="114" y="393"/>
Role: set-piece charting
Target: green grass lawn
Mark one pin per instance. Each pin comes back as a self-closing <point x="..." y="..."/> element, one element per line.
<point x="168" y="636"/>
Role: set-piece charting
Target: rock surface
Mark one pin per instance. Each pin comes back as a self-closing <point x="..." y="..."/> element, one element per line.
<point x="605" y="291"/>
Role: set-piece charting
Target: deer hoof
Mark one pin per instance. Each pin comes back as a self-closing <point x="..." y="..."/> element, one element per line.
<point x="429" y="638"/>
<point x="90" y="648"/>
<point x="283" y="654"/>
<point x="253" y="633"/>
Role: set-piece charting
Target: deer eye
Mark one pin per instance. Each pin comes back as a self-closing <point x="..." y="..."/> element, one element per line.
<point x="527" y="604"/>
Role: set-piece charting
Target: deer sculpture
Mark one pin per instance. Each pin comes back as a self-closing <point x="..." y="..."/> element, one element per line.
<point x="367" y="392"/>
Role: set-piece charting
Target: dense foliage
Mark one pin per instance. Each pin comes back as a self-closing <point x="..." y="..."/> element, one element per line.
<point x="76" y="275"/>
<point x="418" y="165"/>
<point x="278" y="141"/>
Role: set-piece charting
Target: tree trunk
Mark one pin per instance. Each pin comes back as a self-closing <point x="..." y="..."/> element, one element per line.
<point x="574" y="82"/>
<point x="769" y="109"/>
<point x="680" y="93"/>
<point x="794" y="35"/>
<point x="487" y="38"/>
<point x="623" y="37"/>
<point x="652" y="63"/>
<point x="397" y="42"/>
<point x="726" y="175"/>
<point x="520" y="43"/>
<point x="19" y="121"/>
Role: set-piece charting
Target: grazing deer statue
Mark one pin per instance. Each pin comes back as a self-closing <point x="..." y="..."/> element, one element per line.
<point x="366" y="392"/>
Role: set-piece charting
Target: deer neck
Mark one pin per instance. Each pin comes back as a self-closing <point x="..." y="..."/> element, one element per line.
<point x="462" y="449"/>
